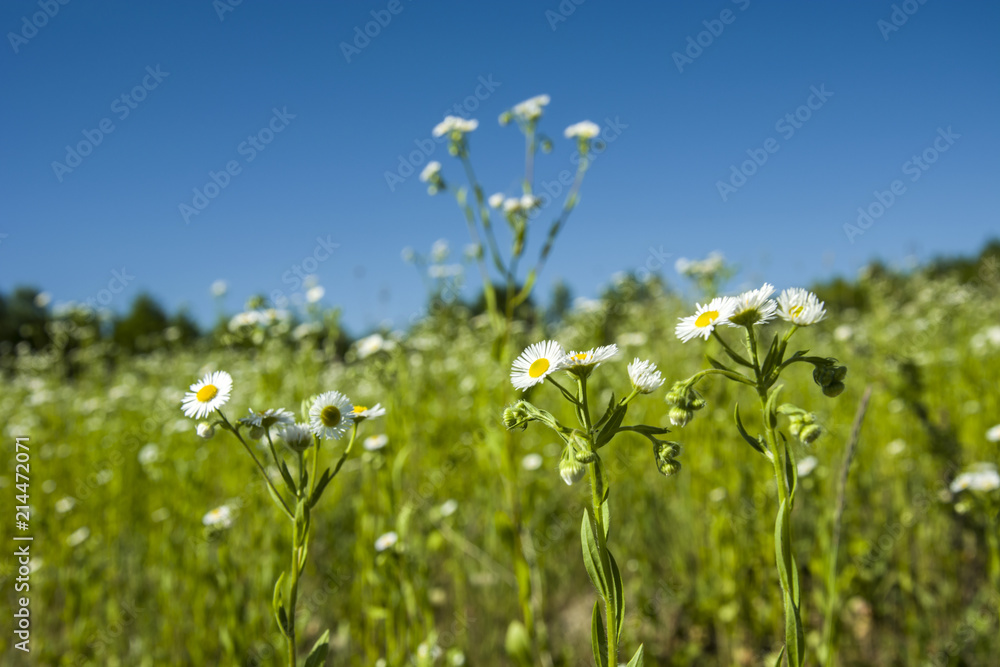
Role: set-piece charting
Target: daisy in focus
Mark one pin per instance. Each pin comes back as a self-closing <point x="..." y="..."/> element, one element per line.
<point x="716" y="312"/>
<point x="584" y="362"/>
<point x="536" y="363"/>
<point x="361" y="412"/>
<point x="800" y="307"/>
<point x="753" y="307"/>
<point x="644" y="376"/>
<point x="330" y="415"/>
<point x="207" y="395"/>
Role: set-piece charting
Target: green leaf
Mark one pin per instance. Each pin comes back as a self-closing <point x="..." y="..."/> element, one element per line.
<point x="781" y="654"/>
<point x="606" y="515"/>
<point x="598" y="637"/>
<point x="737" y="358"/>
<point x="753" y="442"/>
<point x="791" y="471"/>
<point x="611" y="427"/>
<point x="619" y="590"/>
<point x="770" y="410"/>
<point x="278" y="605"/>
<point x="320" y="487"/>
<point x="287" y="476"/>
<point x="715" y="364"/>
<point x="276" y="498"/>
<point x="794" y="638"/>
<point x="637" y="659"/>
<point x="771" y="358"/>
<point x="592" y="556"/>
<point x="317" y="656"/>
<point x="647" y="430"/>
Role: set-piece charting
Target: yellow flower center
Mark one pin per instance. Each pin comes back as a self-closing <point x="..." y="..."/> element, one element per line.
<point x="330" y="416"/>
<point x="580" y="357"/>
<point x="538" y="367"/>
<point x="706" y="318"/>
<point x="207" y="393"/>
<point x="796" y="311"/>
<point x="358" y="409"/>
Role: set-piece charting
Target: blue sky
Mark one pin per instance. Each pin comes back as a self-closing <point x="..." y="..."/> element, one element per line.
<point x="209" y="79"/>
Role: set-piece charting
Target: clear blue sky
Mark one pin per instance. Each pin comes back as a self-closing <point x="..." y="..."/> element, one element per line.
<point x="323" y="175"/>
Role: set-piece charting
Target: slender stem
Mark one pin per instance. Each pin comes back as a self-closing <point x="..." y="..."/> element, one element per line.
<point x="735" y="355"/>
<point x="347" y="450"/>
<point x="732" y="375"/>
<point x="260" y="467"/>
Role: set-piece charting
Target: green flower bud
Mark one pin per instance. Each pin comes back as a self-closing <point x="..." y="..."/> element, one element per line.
<point x="680" y="416"/>
<point x="570" y="469"/>
<point x="546" y="145"/>
<point x="664" y="453"/>
<point x="206" y="430"/>
<point x="834" y="389"/>
<point x="256" y="432"/>
<point x="510" y="419"/>
<point x="809" y="433"/>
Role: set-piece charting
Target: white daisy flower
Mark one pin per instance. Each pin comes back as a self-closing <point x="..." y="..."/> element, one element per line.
<point x="268" y="418"/>
<point x="454" y="125"/>
<point x="511" y="205"/>
<point x="361" y="412"/>
<point x="207" y="395"/>
<point x="386" y="541"/>
<point x="583" y="130"/>
<point x="536" y="363"/>
<point x="993" y="433"/>
<point x="78" y="537"/>
<point x="373" y="443"/>
<point x="586" y="361"/>
<point x="528" y="202"/>
<point x="220" y="517"/>
<point x="806" y="466"/>
<point x="316" y="293"/>
<point x="716" y="312"/>
<point x="530" y="109"/>
<point x="753" y="307"/>
<point x="298" y="437"/>
<point x="800" y="307"/>
<point x="644" y="375"/>
<point x="432" y="169"/>
<point x="330" y="415"/>
<point x="205" y="430"/>
<point x="496" y="200"/>
<point x="981" y="477"/>
<point x="448" y="507"/>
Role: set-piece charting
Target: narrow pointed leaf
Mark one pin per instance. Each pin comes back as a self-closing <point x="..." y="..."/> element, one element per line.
<point x="753" y="442"/>
<point x="770" y="410"/>
<point x="278" y="605"/>
<point x="598" y="637"/>
<point x="637" y="659"/>
<point x="771" y="357"/>
<point x="619" y="591"/>
<point x="317" y="656"/>
<point x="611" y="427"/>
<point x="716" y="364"/>
<point x="287" y="476"/>
<point x="592" y="557"/>
<point x="320" y="487"/>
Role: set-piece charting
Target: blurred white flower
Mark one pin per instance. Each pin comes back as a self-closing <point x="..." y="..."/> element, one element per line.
<point x="717" y="495"/>
<point x="315" y="294"/>
<point x="993" y="433"/>
<point x="806" y="466"/>
<point x="219" y="288"/>
<point x="896" y="447"/>
<point x="448" y="507"/>
<point x="531" y="461"/>
<point x="583" y="130"/>
<point x="386" y="541"/>
<point x="440" y="250"/>
<point x="78" y="537"/>
<point x="64" y="505"/>
<point x="981" y="477"/>
<point x="843" y="333"/>
<point x="454" y="125"/>
<point x="432" y="169"/>
<point x="149" y="454"/>
<point x="220" y="517"/>
<point x="205" y="430"/>
<point x="373" y="443"/>
<point x="43" y="299"/>
<point x="530" y="109"/>
<point x="496" y="200"/>
<point x="369" y="345"/>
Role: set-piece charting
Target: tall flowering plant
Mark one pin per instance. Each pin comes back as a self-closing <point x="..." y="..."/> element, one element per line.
<point x="542" y="363"/>
<point x="749" y="312"/>
<point x="329" y="416"/>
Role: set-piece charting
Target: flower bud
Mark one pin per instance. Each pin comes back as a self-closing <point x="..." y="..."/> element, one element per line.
<point x="664" y="453"/>
<point x="570" y="469"/>
<point x="256" y="432"/>
<point x="834" y="389"/>
<point x="206" y="430"/>
<point x="809" y="433"/>
<point x="679" y="416"/>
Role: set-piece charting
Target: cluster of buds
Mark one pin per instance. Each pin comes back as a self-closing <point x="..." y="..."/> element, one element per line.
<point x="828" y="375"/>
<point x="683" y="400"/>
<point x="802" y="424"/>
<point x="666" y="452"/>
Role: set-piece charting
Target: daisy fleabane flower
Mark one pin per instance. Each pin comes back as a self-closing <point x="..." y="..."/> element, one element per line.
<point x="361" y="412"/>
<point x="753" y="307"/>
<point x="800" y="307"/>
<point x="644" y="376"/>
<point x="454" y="125"/>
<point x="536" y="363"/>
<point x="220" y="517"/>
<point x="297" y="436"/>
<point x="589" y="360"/>
<point x="530" y="109"/>
<point x="583" y="130"/>
<point x="330" y="415"/>
<point x="268" y="418"/>
<point x="207" y="395"/>
<point x="705" y="319"/>
<point x="432" y="169"/>
<point x="982" y="477"/>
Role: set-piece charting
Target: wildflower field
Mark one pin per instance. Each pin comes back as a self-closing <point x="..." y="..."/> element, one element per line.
<point x="447" y="539"/>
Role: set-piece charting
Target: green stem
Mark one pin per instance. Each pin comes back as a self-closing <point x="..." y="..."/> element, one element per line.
<point x="260" y="467"/>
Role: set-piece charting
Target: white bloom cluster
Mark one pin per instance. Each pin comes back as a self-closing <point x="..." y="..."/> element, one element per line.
<point x="796" y="305"/>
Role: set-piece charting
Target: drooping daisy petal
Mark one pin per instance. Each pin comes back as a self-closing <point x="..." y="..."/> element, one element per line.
<point x="330" y="415"/>
<point x="207" y="395"/>
<point x="536" y="363"/>
<point x="800" y="307"/>
<point x="753" y="307"/>
<point x="705" y="319"/>
<point x="590" y="359"/>
<point x="268" y="418"/>
<point x="644" y="375"/>
<point x="361" y="412"/>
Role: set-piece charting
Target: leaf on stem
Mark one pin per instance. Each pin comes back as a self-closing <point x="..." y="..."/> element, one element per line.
<point x="598" y="637"/>
<point x="753" y="442"/>
<point x="637" y="659"/>
<point x="619" y="591"/>
<point x="320" y="487"/>
<point x="592" y="556"/>
<point x="287" y="476"/>
<point x="611" y="427"/>
<point x="717" y="364"/>
<point x="317" y="656"/>
<point x="277" y="603"/>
